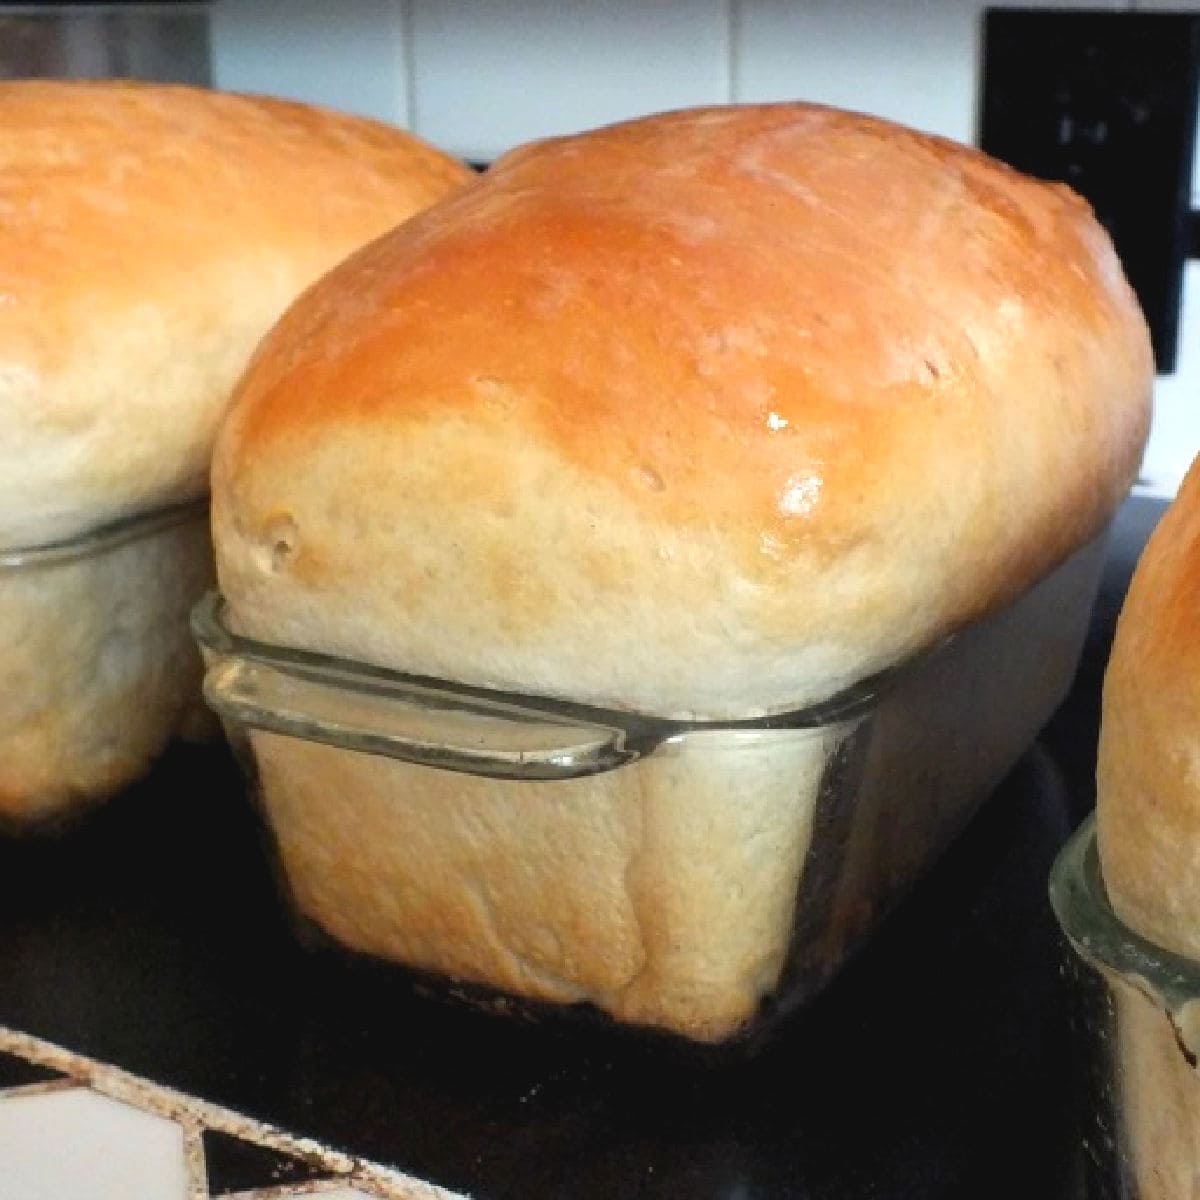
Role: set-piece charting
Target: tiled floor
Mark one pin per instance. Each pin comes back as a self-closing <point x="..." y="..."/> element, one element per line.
<point x="74" y="1129"/>
<point x="57" y="1141"/>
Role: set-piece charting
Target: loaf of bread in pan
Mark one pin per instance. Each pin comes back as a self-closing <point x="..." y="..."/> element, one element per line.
<point x="1148" y="772"/>
<point x="98" y="670"/>
<point x="149" y="235"/>
<point x="1148" y="824"/>
<point x="709" y="414"/>
<point x="662" y="893"/>
<point x="684" y="888"/>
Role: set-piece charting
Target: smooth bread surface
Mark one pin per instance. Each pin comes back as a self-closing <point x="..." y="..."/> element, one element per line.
<point x="1148" y="772"/>
<point x="709" y="414"/>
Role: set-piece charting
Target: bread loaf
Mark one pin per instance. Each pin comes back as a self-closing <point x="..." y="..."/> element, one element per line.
<point x="98" y="670"/>
<point x="1148" y="771"/>
<point x="1148" y="825"/>
<point x="709" y="414"/>
<point x="149" y="235"/>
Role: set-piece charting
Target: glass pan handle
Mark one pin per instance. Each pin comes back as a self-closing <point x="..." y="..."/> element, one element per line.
<point x="411" y="723"/>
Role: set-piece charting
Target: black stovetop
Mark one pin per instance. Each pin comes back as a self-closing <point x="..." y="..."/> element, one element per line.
<point x="938" y="1064"/>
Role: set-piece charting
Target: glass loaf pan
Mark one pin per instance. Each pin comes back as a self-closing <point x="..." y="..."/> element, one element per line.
<point x="97" y="665"/>
<point x="1137" y="1014"/>
<point x="691" y="878"/>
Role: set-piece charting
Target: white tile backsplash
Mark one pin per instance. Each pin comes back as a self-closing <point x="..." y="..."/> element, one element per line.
<point x="489" y="75"/>
<point x="350" y="55"/>
<point x="77" y="1145"/>
<point x="913" y="61"/>
<point x="909" y="60"/>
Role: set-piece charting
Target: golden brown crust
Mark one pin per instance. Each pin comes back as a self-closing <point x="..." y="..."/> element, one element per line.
<point x="1148" y="775"/>
<point x="148" y="237"/>
<point x="708" y="413"/>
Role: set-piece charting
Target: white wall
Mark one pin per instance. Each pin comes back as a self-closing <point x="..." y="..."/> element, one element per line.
<point x="477" y="76"/>
<point x="351" y="55"/>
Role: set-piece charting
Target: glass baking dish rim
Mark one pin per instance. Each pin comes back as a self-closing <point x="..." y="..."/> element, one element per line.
<point x="102" y="538"/>
<point x="1171" y="981"/>
<point x="241" y="670"/>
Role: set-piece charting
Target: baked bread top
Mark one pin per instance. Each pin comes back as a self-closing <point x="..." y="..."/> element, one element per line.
<point x="1148" y="773"/>
<point x="149" y="235"/>
<point x="707" y="414"/>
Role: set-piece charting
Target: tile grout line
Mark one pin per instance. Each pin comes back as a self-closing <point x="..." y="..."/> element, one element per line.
<point x="408" y="61"/>
<point x="177" y="1106"/>
<point x="193" y="1157"/>
<point x="733" y="50"/>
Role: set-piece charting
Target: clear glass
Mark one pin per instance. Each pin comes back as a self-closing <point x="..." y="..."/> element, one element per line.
<point x="698" y="879"/>
<point x="1138" y="1017"/>
<point x="98" y="666"/>
<point x="104" y="538"/>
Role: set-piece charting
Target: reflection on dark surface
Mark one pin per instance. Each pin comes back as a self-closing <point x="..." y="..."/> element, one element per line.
<point x="937" y="1065"/>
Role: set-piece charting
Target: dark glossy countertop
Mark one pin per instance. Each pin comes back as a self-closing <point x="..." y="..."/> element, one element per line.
<point x="936" y="1066"/>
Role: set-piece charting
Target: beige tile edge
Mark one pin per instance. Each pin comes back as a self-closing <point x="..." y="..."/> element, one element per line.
<point x="39" y="1089"/>
<point x="193" y="1157"/>
<point x="188" y="1110"/>
<point x="296" y="1191"/>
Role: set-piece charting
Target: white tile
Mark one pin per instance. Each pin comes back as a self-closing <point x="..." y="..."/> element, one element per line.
<point x="906" y="60"/>
<point x="489" y="75"/>
<point x="1175" y="437"/>
<point x="912" y="61"/>
<point x="77" y="1145"/>
<point x="349" y="56"/>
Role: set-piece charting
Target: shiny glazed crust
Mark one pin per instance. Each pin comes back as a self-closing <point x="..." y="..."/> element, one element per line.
<point x="149" y="235"/>
<point x="709" y="414"/>
<point x="1148" y="775"/>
